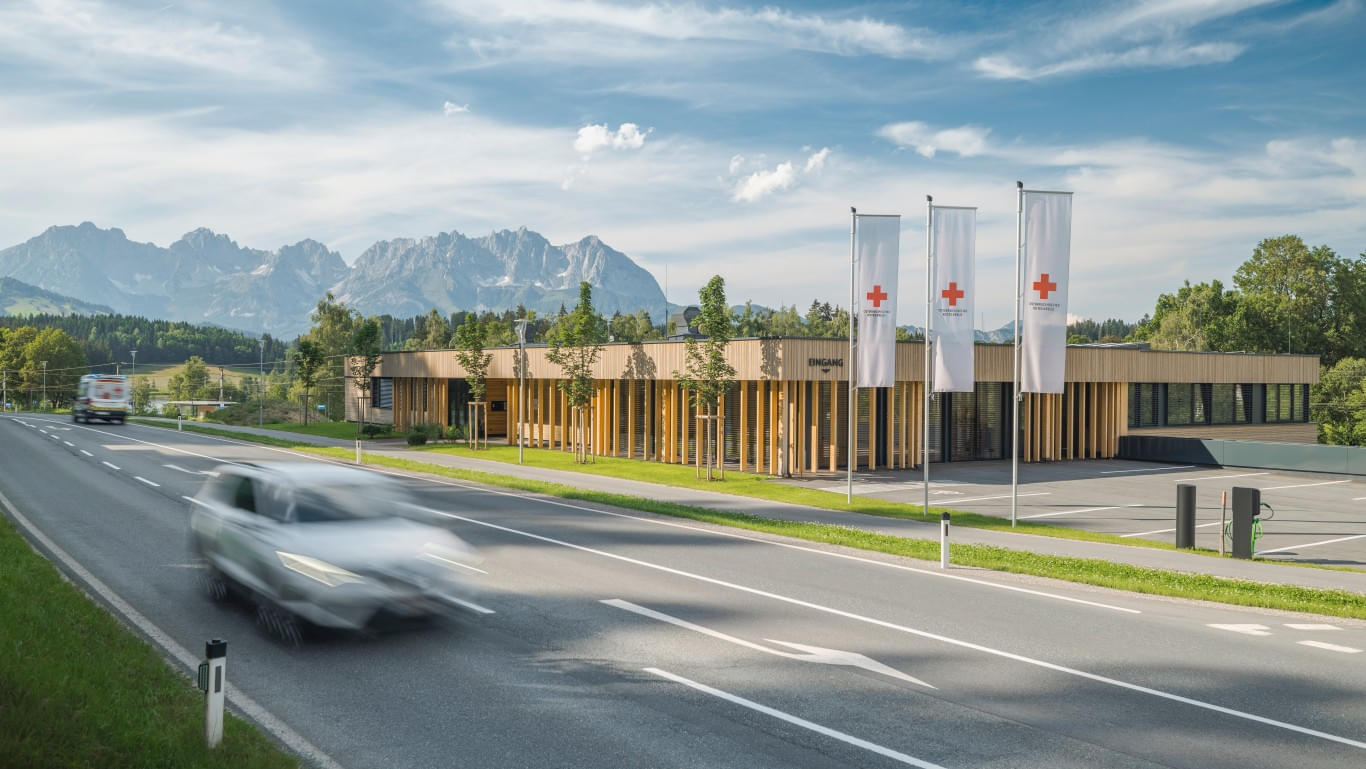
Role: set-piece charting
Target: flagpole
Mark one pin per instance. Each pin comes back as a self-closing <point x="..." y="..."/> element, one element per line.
<point x="1015" y="431"/>
<point x="849" y="464"/>
<point x="925" y="401"/>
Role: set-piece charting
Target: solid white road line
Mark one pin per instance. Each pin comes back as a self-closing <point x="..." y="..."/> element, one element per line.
<point x="1304" y="485"/>
<point x="1217" y="477"/>
<point x="1003" y="496"/>
<point x="814" y="654"/>
<point x="88" y="454"/>
<point x="1083" y="510"/>
<point x="1147" y="470"/>
<point x="848" y="739"/>
<point x="1310" y="626"/>
<point x="1162" y="531"/>
<point x="247" y="705"/>
<point x="1330" y="647"/>
<point x="153" y="484"/>
<point x="931" y="636"/>
<point x="1310" y="544"/>
<point x="1245" y="629"/>
<point x="109" y="464"/>
<point x="658" y="522"/>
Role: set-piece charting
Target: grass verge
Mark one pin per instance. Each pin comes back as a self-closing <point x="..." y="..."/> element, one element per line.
<point x="1089" y="571"/>
<point x="62" y="706"/>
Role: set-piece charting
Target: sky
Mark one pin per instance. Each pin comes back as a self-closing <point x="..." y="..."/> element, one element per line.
<point x="700" y="138"/>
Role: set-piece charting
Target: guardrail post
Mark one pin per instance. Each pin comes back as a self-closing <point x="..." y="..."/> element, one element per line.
<point x="1185" y="515"/>
<point x="212" y="680"/>
<point x="943" y="540"/>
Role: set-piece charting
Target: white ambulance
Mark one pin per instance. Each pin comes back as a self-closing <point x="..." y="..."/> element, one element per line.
<point x="102" y="396"/>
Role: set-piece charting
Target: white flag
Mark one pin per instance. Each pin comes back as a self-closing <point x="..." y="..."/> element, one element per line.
<point x="1048" y="247"/>
<point x="879" y="238"/>
<point x="951" y="300"/>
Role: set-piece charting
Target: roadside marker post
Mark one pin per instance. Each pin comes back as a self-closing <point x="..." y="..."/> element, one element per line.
<point x="212" y="671"/>
<point x="1223" y="518"/>
<point x="943" y="540"/>
<point x="177" y="423"/>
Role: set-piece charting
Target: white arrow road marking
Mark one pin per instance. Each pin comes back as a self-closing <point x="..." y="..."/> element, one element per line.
<point x="817" y="654"/>
<point x="1330" y="647"/>
<point x="791" y="719"/>
<point x="1244" y="629"/>
<point x="1310" y="626"/>
<point x="211" y="473"/>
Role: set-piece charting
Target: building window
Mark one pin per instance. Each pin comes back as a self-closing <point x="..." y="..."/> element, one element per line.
<point x="1180" y="405"/>
<point x="1287" y="403"/>
<point x="1230" y="404"/>
<point x="1145" y="409"/>
<point x="382" y="392"/>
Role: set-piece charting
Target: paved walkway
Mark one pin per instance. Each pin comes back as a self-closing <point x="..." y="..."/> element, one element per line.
<point x="717" y="500"/>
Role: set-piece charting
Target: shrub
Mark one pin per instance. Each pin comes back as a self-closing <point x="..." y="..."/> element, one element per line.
<point x="371" y="431"/>
<point x="417" y="437"/>
<point x="455" y="432"/>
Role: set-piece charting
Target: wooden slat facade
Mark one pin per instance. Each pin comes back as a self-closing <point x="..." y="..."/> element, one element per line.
<point x="787" y="413"/>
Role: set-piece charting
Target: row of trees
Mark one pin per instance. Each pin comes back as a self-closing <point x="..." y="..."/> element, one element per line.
<point x="107" y="339"/>
<point x="39" y="367"/>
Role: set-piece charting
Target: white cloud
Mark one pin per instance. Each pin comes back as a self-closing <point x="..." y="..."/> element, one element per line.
<point x="594" y="137"/>
<point x="761" y="184"/>
<point x="451" y="108"/>
<point x="736" y="163"/>
<point x="817" y="160"/>
<point x="1165" y="56"/>
<point x="596" y="28"/>
<point x="967" y="140"/>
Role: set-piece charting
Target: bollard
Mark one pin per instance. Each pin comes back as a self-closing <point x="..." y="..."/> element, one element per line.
<point x="1247" y="503"/>
<point x="943" y="540"/>
<point x="358" y="461"/>
<point x="1185" y="515"/>
<point x="177" y="423"/>
<point x="212" y="673"/>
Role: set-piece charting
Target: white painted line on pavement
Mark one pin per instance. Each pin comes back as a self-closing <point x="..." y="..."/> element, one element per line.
<point x="210" y="473"/>
<point x="1304" y="485"/>
<point x="1147" y="470"/>
<point x="1357" y="499"/>
<point x="154" y="484"/>
<point x="932" y="636"/>
<point x="1310" y="626"/>
<point x="88" y="454"/>
<point x="1003" y="496"/>
<point x="187" y="452"/>
<point x="814" y="654"/>
<point x="69" y="443"/>
<point x="1217" y="477"/>
<point x="1330" y="647"/>
<point x="471" y="605"/>
<point x="849" y="739"/>
<point x="1163" y="531"/>
<point x="265" y="718"/>
<point x="1310" y="544"/>
<point x="1083" y="510"/>
<point x="1245" y="629"/>
<point x="109" y="464"/>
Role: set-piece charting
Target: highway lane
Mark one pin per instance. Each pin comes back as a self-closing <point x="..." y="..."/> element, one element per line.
<point x="557" y="677"/>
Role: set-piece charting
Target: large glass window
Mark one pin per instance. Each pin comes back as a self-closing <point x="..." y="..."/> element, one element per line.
<point x="1180" y="404"/>
<point x="1144" y="406"/>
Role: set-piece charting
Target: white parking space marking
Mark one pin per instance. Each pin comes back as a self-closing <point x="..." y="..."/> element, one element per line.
<point x="69" y="443"/>
<point x="1003" y="496"/>
<point x="1083" y="510"/>
<point x="1330" y="647"/>
<point x="1304" y="485"/>
<point x="849" y="739"/>
<point x="1357" y="499"/>
<point x="88" y="454"/>
<point x="1310" y="626"/>
<point x="1218" y="477"/>
<point x="1163" y="531"/>
<point x="149" y="483"/>
<point x="110" y="465"/>
<point x="1245" y="629"/>
<point x="1148" y="470"/>
<point x="1310" y="544"/>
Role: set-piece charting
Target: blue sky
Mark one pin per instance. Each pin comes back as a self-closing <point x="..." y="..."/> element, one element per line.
<point x="722" y="138"/>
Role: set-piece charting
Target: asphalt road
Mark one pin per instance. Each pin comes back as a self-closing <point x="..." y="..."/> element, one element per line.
<point x="620" y="639"/>
<point x="1318" y="517"/>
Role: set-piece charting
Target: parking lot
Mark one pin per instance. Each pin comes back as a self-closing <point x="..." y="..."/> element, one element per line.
<point x="1318" y="518"/>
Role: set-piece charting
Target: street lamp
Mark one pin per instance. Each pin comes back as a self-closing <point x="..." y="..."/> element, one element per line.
<point x="520" y="324"/>
<point x="261" y="388"/>
<point x="134" y="376"/>
<point x="44" y="384"/>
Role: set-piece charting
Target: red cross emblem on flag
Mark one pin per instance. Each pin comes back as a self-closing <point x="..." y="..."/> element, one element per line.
<point x="953" y="293"/>
<point x="877" y="296"/>
<point x="1044" y="286"/>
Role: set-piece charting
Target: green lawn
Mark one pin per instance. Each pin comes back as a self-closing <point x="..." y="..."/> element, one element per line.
<point x="63" y="706"/>
<point x="1091" y="571"/>
<point x="343" y="430"/>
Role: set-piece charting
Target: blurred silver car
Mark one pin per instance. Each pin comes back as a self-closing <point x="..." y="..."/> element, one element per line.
<point x="336" y="546"/>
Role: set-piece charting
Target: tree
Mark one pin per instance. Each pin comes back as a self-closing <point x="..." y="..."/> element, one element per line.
<point x="364" y="359"/>
<point x="191" y="382"/>
<point x="1338" y="403"/>
<point x="65" y="362"/>
<point x="308" y="361"/>
<point x="1200" y="317"/>
<point x="333" y="331"/>
<point x="438" y="334"/>
<point x="470" y="339"/>
<point x="575" y="344"/>
<point x="142" y="394"/>
<point x="707" y="375"/>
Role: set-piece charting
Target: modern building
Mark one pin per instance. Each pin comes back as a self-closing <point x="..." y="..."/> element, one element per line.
<point x="787" y="411"/>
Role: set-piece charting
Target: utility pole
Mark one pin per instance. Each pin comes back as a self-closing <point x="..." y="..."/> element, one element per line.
<point x="521" y="379"/>
<point x="134" y="377"/>
<point x="44" y="383"/>
<point x="4" y="390"/>
<point x="261" y="388"/>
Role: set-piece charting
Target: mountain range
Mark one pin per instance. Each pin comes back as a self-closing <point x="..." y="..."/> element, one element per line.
<point x="19" y="298"/>
<point x="206" y="277"/>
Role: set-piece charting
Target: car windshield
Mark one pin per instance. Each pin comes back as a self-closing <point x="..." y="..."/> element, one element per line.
<point x="346" y="503"/>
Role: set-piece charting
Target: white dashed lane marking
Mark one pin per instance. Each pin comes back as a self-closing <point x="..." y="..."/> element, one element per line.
<point x="1330" y="647"/>
<point x="88" y="454"/>
<point x="110" y="465"/>
<point x="1244" y="629"/>
<point x="1310" y="626"/>
<point x="149" y="483"/>
<point x="69" y="443"/>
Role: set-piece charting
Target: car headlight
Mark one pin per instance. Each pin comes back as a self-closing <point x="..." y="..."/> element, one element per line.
<point x="314" y="569"/>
